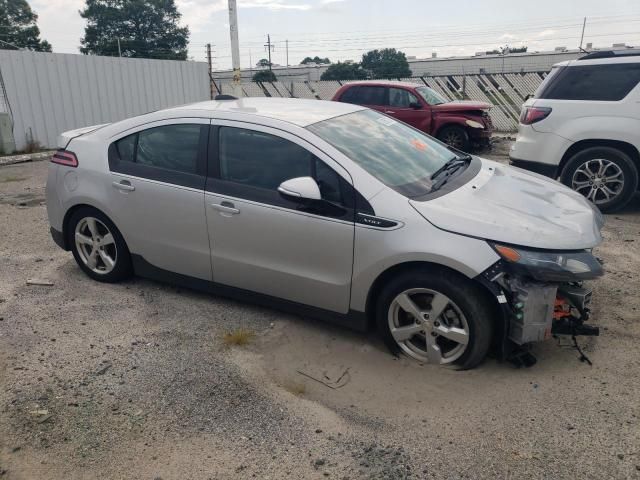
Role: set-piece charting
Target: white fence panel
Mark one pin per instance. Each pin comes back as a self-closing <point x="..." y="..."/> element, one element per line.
<point x="48" y="93"/>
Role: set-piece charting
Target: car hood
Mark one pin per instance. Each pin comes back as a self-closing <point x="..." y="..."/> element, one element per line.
<point x="510" y="205"/>
<point x="459" y="106"/>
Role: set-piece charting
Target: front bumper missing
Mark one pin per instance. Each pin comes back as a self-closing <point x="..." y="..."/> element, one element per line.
<point x="534" y="311"/>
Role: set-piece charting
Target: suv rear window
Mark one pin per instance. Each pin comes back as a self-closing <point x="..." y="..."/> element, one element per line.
<point x="592" y="82"/>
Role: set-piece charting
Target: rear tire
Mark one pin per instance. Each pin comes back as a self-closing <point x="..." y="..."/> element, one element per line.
<point x="446" y="307"/>
<point x="455" y="136"/>
<point x="606" y="176"/>
<point x="98" y="246"/>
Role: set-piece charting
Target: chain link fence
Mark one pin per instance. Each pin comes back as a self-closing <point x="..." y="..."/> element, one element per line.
<point x="505" y="91"/>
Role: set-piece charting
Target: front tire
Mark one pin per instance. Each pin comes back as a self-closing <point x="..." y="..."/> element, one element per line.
<point x="437" y="317"/>
<point x="456" y="137"/>
<point x="98" y="247"/>
<point x="606" y="176"/>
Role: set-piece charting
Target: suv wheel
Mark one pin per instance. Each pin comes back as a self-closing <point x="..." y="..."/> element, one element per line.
<point x="606" y="176"/>
<point x="98" y="246"/>
<point x="439" y="318"/>
<point x="455" y="136"/>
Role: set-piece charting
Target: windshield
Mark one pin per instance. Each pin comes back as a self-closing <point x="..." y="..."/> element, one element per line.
<point x="396" y="154"/>
<point x="431" y="96"/>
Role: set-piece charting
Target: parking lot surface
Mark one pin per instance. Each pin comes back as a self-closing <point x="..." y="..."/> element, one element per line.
<point x="135" y="380"/>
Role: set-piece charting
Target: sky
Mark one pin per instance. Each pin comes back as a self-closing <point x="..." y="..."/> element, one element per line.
<point x="345" y="29"/>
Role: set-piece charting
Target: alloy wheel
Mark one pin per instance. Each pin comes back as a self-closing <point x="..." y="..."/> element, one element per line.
<point x="95" y="245"/>
<point x="428" y="326"/>
<point x="600" y="180"/>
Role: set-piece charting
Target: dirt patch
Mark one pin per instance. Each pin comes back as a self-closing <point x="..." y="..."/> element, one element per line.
<point x="136" y="382"/>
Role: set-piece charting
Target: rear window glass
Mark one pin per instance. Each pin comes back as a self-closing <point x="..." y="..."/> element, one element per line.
<point x="592" y="82"/>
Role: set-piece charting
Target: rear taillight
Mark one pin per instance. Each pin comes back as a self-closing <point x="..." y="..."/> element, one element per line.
<point x="531" y="115"/>
<point x="65" y="157"/>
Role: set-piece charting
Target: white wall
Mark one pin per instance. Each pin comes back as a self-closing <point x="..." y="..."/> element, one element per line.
<point x="512" y="63"/>
<point x="49" y="93"/>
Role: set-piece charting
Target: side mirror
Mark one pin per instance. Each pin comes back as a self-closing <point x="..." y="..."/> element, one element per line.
<point x="415" y="105"/>
<point x="300" y="189"/>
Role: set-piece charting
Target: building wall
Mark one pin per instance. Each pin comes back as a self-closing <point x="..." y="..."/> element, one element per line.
<point x="517" y="62"/>
<point x="49" y="93"/>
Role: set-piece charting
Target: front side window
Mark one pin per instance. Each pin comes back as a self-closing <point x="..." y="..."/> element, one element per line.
<point x="263" y="161"/>
<point x="431" y="96"/>
<point x="396" y="154"/>
<point x="260" y="160"/>
<point x="610" y="82"/>
<point x="401" y="98"/>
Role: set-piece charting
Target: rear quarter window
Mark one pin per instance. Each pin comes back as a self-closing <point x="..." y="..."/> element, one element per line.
<point x="605" y="82"/>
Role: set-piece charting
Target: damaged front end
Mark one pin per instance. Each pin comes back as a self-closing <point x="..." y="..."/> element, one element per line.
<point x="541" y="293"/>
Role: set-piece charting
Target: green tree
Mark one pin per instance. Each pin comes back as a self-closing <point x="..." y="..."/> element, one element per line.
<point x="344" y="71"/>
<point x="386" y="63"/>
<point x="18" y="28"/>
<point x="263" y="62"/>
<point x="317" y="60"/>
<point x="509" y="49"/>
<point x="264" y="76"/>
<point x="506" y="50"/>
<point x="145" y="29"/>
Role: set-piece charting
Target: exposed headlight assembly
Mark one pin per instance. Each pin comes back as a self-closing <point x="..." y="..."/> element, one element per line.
<point x="474" y="124"/>
<point x="550" y="266"/>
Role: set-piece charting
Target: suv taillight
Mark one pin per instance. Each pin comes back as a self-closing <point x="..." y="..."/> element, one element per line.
<point x="531" y="115"/>
<point x="65" y="157"/>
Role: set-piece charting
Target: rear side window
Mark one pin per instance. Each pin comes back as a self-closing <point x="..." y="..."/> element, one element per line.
<point x="169" y="153"/>
<point x="350" y="95"/>
<point x="365" y="95"/>
<point x="172" y="147"/>
<point x="592" y="82"/>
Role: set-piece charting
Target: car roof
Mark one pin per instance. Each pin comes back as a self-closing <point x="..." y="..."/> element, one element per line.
<point x="614" y="60"/>
<point x="386" y="83"/>
<point x="301" y="112"/>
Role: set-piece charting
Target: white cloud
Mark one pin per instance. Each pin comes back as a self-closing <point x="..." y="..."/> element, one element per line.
<point x="546" y="33"/>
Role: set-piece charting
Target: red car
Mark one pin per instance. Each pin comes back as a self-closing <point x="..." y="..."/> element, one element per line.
<point x="459" y="124"/>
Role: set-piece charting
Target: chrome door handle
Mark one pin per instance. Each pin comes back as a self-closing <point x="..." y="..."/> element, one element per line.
<point x="225" y="207"/>
<point x="389" y="111"/>
<point x="124" y="185"/>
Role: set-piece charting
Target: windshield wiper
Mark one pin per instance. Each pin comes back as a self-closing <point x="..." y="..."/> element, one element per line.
<point x="452" y="163"/>
<point x="448" y="169"/>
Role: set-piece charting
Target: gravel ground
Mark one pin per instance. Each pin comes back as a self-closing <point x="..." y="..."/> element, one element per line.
<point x="134" y="381"/>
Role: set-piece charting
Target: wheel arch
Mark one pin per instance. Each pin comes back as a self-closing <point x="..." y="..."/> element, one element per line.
<point x="581" y="145"/>
<point x="69" y="213"/>
<point x="451" y="123"/>
<point x="401" y="268"/>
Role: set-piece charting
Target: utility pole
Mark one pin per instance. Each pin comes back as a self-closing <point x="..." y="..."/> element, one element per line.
<point x="584" y="24"/>
<point x="235" y="48"/>
<point x="269" y="48"/>
<point x="287" y="44"/>
<point x="210" y="62"/>
<point x="119" y="51"/>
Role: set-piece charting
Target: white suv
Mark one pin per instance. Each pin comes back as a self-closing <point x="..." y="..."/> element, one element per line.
<point x="583" y="125"/>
